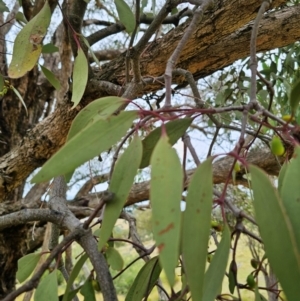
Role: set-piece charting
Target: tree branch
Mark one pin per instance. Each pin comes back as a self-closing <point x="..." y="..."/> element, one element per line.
<point x="212" y="47"/>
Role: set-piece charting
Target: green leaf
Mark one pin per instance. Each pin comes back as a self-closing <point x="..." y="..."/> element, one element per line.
<point x="153" y="6"/>
<point x="165" y="196"/>
<point x="88" y="143"/>
<point x="114" y="259"/>
<point x="277" y="233"/>
<point x="1" y="83"/>
<point x="215" y="273"/>
<point x="77" y="268"/>
<point x="232" y="276"/>
<point x="100" y="108"/>
<point x="88" y="291"/>
<point x="126" y="15"/>
<point x="142" y="282"/>
<point x="71" y="294"/>
<point x="21" y="18"/>
<point x="258" y="296"/>
<point x="51" y="78"/>
<point x="20" y="98"/>
<point x="143" y="4"/>
<point x="281" y="176"/>
<point x="120" y="184"/>
<point x="196" y="219"/>
<point x="49" y="48"/>
<point x="86" y="42"/>
<point x="26" y="265"/>
<point x="3" y="7"/>
<point x="290" y="194"/>
<point x="47" y="288"/>
<point x="80" y="77"/>
<point x="28" y="43"/>
<point x="295" y="97"/>
<point x="175" y="129"/>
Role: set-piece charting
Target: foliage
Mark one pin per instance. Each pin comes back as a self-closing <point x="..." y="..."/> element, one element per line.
<point x="106" y="114"/>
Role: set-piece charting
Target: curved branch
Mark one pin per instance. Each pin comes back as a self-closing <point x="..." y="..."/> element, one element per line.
<point x="215" y="44"/>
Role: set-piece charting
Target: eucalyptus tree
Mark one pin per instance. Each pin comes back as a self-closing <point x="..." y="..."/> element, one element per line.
<point x="83" y="78"/>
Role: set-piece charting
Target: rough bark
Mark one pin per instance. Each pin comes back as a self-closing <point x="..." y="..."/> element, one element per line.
<point x="220" y="39"/>
<point x="203" y="55"/>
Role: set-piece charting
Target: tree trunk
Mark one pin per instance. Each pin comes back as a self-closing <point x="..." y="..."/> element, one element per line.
<point x="220" y="39"/>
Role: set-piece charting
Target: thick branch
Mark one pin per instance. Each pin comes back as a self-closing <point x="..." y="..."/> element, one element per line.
<point x="218" y="42"/>
<point x="261" y="157"/>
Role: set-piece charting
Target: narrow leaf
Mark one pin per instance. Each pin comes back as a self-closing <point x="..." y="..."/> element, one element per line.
<point x="215" y="273"/>
<point x="232" y="276"/>
<point x="114" y="259"/>
<point x="277" y="233"/>
<point x="47" y="287"/>
<point x="28" y="43"/>
<point x="281" y="176"/>
<point x="196" y="218"/>
<point x="258" y="296"/>
<point x="21" y="18"/>
<point x="3" y="7"/>
<point x="77" y="268"/>
<point x="100" y="108"/>
<point x="295" y="97"/>
<point x="49" y="48"/>
<point x="51" y="78"/>
<point x="26" y="265"/>
<point x="20" y="98"/>
<point x="88" y="143"/>
<point x="142" y="282"/>
<point x="143" y="5"/>
<point x="165" y="196"/>
<point x="126" y="15"/>
<point x="88" y="291"/>
<point x="1" y="83"/>
<point x="80" y="77"/>
<point x="120" y="184"/>
<point x="71" y="294"/>
<point x="86" y="42"/>
<point x="175" y="129"/>
<point x="290" y="193"/>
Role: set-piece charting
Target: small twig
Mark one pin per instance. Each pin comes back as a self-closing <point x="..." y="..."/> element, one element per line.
<point x="34" y="280"/>
<point x="198" y="14"/>
<point x="116" y="154"/>
<point x="129" y="265"/>
<point x="157" y="21"/>
<point x="235" y="210"/>
<point x="187" y="141"/>
<point x="253" y="59"/>
<point x="251" y="234"/>
<point x="106" y="197"/>
<point x="213" y="141"/>
<point x="253" y="102"/>
<point x="136" y="59"/>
